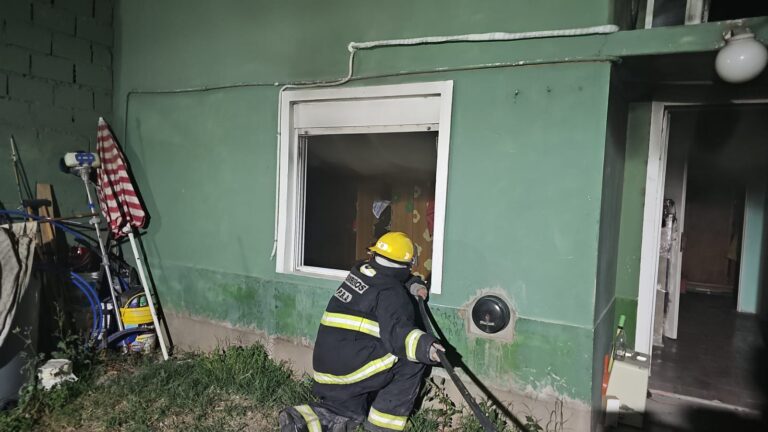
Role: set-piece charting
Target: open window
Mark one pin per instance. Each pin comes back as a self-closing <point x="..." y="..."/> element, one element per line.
<point x="357" y="163"/>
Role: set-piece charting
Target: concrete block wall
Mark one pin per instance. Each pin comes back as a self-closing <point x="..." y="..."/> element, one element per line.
<point x="55" y="82"/>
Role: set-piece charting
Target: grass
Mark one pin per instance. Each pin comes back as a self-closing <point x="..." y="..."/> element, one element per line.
<point x="231" y="389"/>
<point x="234" y="389"/>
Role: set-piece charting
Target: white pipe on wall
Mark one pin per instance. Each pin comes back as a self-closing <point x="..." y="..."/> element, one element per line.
<point x="485" y="37"/>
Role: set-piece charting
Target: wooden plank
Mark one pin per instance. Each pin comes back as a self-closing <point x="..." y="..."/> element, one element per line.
<point x="423" y="200"/>
<point x="45" y="191"/>
<point x="402" y="205"/>
<point x="364" y="220"/>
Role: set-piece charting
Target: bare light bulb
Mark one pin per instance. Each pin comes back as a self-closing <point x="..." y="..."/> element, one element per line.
<point x="741" y="59"/>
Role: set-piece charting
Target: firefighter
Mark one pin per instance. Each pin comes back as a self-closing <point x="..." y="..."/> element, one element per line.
<point x="369" y="355"/>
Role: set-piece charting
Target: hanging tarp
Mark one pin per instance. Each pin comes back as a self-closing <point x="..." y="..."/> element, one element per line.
<point x="17" y="250"/>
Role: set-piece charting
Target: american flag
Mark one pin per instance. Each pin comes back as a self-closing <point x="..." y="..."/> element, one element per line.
<point x="119" y="202"/>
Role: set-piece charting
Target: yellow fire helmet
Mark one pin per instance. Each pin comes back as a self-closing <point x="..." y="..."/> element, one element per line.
<point x="395" y="246"/>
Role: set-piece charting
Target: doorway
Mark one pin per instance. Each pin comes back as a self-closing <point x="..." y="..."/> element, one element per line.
<point x="703" y="247"/>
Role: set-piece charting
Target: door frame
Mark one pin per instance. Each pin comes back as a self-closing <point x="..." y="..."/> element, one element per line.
<point x="652" y="209"/>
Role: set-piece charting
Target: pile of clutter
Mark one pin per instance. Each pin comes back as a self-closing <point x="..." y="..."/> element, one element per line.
<point x="123" y="311"/>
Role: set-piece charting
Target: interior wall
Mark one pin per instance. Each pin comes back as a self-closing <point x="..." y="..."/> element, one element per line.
<point x="714" y="214"/>
<point x="762" y="297"/>
<point x="329" y="236"/>
<point x="731" y="143"/>
<point x="754" y="248"/>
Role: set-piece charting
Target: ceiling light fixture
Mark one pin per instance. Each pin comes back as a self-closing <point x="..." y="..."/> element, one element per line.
<point x="742" y="58"/>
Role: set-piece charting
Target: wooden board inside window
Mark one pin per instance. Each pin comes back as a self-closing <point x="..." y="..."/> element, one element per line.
<point x="412" y="212"/>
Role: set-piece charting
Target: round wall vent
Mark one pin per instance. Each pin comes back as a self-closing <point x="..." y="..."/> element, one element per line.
<point x="490" y="314"/>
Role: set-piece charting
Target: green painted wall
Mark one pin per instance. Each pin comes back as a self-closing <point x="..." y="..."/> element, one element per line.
<point x="530" y="139"/>
<point x="526" y="173"/>
<point x="632" y="204"/>
<point x="212" y="207"/>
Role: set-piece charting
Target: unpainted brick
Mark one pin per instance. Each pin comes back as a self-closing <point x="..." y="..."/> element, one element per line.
<point x="46" y="116"/>
<point x="53" y="67"/>
<point x="30" y="89"/>
<point x="16" y="10"/>
<point x="93" y="75"/>
<point x="102" y="101"/>
<point x="24" y="136"/>
<point x="71" y="48"/>
<point x="86" y="122"/>
<point x="14" y="112"/>
<point x="14" y="59"/>
<point x="25" y="35"/>
<point x="103" y="9"/>
<point x="78" y="7"/>
<point x="73" y="97"/>
<point x="102" y="55"/>
<point x="90" y="29"/>
<point x="55" y="19"/>
<point x="62" y="141"/>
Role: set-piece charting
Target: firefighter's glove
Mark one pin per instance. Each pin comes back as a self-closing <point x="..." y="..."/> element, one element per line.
<point x="417" y="287"/>
<point x="433" y="352"/>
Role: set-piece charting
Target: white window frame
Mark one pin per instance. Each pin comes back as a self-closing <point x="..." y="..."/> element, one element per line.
<point x="696" y="12"/>
<point x="413" y="107"/>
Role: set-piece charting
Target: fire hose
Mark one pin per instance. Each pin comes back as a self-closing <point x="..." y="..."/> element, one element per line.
<point x="485" y="422"/>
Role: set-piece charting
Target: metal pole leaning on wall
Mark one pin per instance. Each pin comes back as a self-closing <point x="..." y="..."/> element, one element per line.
<point x="84" y="172"/>
<point x="148" y="293"/>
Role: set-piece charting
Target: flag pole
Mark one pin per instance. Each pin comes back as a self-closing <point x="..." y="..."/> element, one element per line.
<point x="147" y="292"/>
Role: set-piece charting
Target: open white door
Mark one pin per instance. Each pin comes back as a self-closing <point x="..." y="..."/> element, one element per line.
<point x="671" y="183"/>
<point x="652" y="215"/>
<point x="675" y="189"/>
<point x="652" y="224"/>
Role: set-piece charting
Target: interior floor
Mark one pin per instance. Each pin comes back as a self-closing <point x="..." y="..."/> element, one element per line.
<point x="671" y="413"/>
<point x="719" y="354"/>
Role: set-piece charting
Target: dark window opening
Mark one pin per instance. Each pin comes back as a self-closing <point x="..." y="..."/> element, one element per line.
<point x="722" y="10"/>
<point x="360" y="186"/>
<point x="668" y="12"/>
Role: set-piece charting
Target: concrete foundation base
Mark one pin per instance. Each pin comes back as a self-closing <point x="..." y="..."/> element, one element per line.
<point x="551" y="412"/>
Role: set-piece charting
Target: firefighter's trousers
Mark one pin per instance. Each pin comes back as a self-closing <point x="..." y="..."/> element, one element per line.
<point x="382" y="402"/>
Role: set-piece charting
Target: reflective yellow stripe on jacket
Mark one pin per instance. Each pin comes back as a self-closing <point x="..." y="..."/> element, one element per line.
<point x="411" y="342"/>
<point x="368" y="370"/>
<point x="387" y="421"/>
<point x="313" y="423"/>
<point x="350" y="322"/>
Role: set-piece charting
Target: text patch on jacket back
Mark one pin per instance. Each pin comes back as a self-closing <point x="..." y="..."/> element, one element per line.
<point x="343" y="295"/>
<point x="355" y="283"/>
